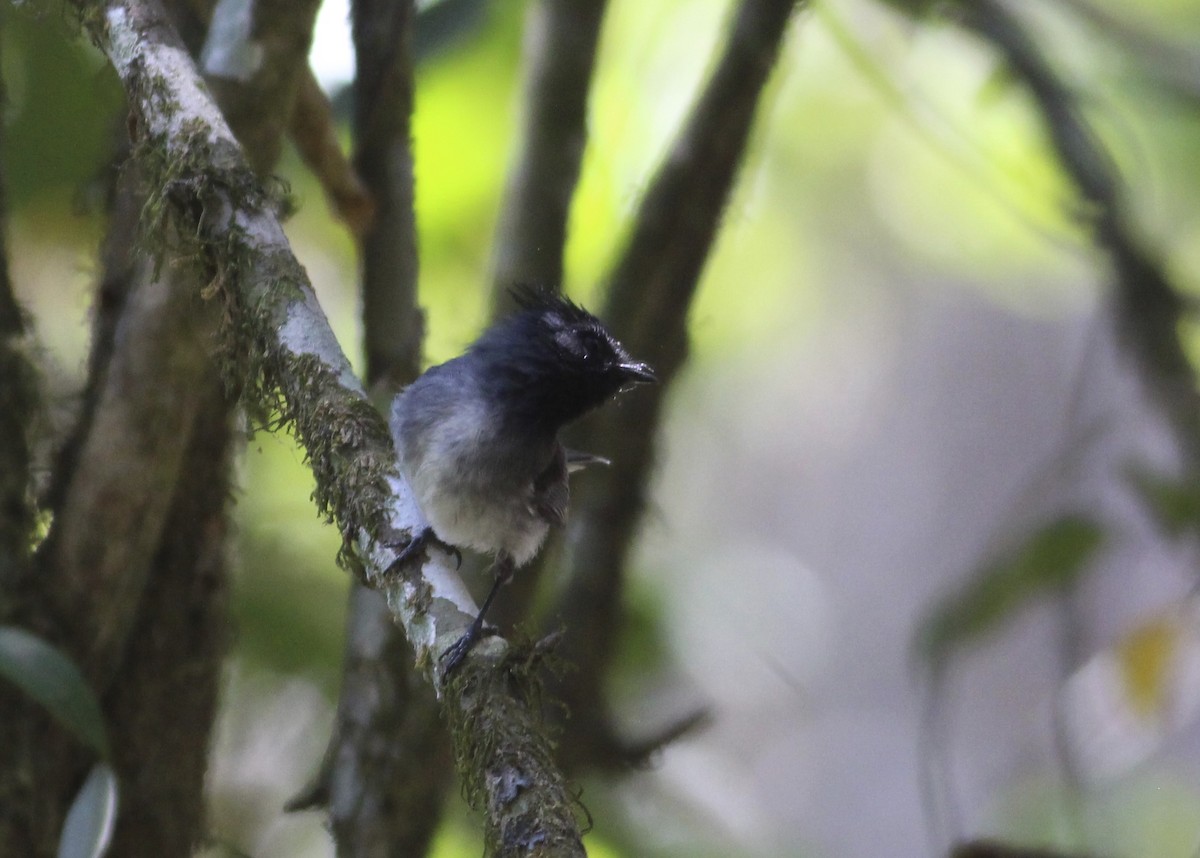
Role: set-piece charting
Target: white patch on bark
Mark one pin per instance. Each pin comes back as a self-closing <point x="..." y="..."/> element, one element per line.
<point x="122" y="40"/>
<point x="230" y="50"/>
<point x="306" y="332"/>
<point x="171" y="68"/>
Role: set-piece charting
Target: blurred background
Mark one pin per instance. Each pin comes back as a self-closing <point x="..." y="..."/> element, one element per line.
<point x="904" y="364"/>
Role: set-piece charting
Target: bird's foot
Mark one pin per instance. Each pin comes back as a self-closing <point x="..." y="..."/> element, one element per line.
<point x="458" y="651"/>
<point x="414" y="547"/>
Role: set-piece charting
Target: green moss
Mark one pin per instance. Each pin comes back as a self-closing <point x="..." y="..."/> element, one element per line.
<point x="196" y="185"/>
<point x="503" y="755"/>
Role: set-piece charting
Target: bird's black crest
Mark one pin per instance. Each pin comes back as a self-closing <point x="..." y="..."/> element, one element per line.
<point x="539" y="299"/>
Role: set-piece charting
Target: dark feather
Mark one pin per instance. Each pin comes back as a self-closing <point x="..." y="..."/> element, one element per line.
<point x="551" y="491"/>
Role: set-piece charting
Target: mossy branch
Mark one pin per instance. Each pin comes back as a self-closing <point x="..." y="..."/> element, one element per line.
<point x="281" y="354"/>
<point x="387" y="770"/>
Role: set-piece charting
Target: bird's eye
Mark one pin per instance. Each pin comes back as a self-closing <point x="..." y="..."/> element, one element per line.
<point x="576" y="343"/>
<point x="570" y="343"/>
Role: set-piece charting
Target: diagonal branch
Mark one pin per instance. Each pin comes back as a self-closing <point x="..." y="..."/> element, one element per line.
<point x="130" y="448"/>
<point x="388" y="768"/>
<point x="314" y="131"/>
<point x="135" y="561"/>
<point x="650" y="292"/>
<point x="1149" y="309"/>
<point x="284" y="353"/>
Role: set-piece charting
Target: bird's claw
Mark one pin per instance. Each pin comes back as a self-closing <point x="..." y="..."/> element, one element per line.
<point x="415" y="545"/>
<point x="458" y="651"/>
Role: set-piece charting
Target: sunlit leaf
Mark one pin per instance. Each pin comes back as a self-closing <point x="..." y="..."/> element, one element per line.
<point x="48" y="676"/>
<point x="1000" y="84"/>
<point x="1049" y="561"/>
<point x="88" y="829"/>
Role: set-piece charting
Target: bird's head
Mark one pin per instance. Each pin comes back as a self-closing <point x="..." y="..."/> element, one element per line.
<point x="555" y="360"/>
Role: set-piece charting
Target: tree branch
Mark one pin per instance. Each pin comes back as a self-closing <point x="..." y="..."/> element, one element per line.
<point x="1172" y="65"/>
<point x="389" y="763"/>
<point x="255" y="61"/>
<point x="650" y="292"/>
<point x="560" y="51"/>
<point x="286" y="354"/>
<point x="135" y="561"/>
<point x="314" y="131"/>
<point x="1148" y="307"/>
<point x="128" y="462"/>
<point x="18" y="403"/>
<point x="393" y="325"/>
<point x="116" y="504"/>
<point x="164" y="705"/>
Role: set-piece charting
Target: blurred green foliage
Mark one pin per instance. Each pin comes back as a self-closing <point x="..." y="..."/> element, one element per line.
<point x="889" y="152"/>
<point x="290" y="594"/>
<point x="1173" y="501"/>
<point x="62" y="108"/>
<point x="1151" y="815"/>
<point x="1050" y="560"/>
<point x="47" y="675"/>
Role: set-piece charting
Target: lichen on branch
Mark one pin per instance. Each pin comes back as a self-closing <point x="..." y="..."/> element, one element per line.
<point x="206" y="202"/>
<point x="283" y="355"/>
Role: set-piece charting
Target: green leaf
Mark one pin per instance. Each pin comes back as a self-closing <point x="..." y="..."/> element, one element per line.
<point x="93" y="814"/>
<point x="1049" y="561"/>
<point x="47" y="675"/>
<point x="1174" y="501"/>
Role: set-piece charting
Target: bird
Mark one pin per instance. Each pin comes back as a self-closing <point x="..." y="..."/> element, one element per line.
<point x="477" y="437"/>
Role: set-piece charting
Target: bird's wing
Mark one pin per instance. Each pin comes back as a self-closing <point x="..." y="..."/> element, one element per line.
<point x="551" y="494"/>
<point x="577" y="460"/>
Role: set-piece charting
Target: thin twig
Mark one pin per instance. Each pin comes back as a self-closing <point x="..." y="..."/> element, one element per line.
<point x="314" y="132"/>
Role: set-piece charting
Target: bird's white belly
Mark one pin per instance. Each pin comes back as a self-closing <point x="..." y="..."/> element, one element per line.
<point x="468" y="514"/>
<point x="472" y="497"/>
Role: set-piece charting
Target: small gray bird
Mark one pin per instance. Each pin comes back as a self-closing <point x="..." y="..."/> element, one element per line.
<point x="478" y="441"/>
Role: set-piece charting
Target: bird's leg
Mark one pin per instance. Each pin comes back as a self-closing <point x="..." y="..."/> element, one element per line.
<point x="502" y="572"/>
<point x="415" y="545"/>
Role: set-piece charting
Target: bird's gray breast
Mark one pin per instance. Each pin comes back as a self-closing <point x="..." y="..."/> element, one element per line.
<point x="480" y="484"/>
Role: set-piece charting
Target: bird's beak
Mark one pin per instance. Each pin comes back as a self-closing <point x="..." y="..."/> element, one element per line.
<point x="638" y="373"/>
